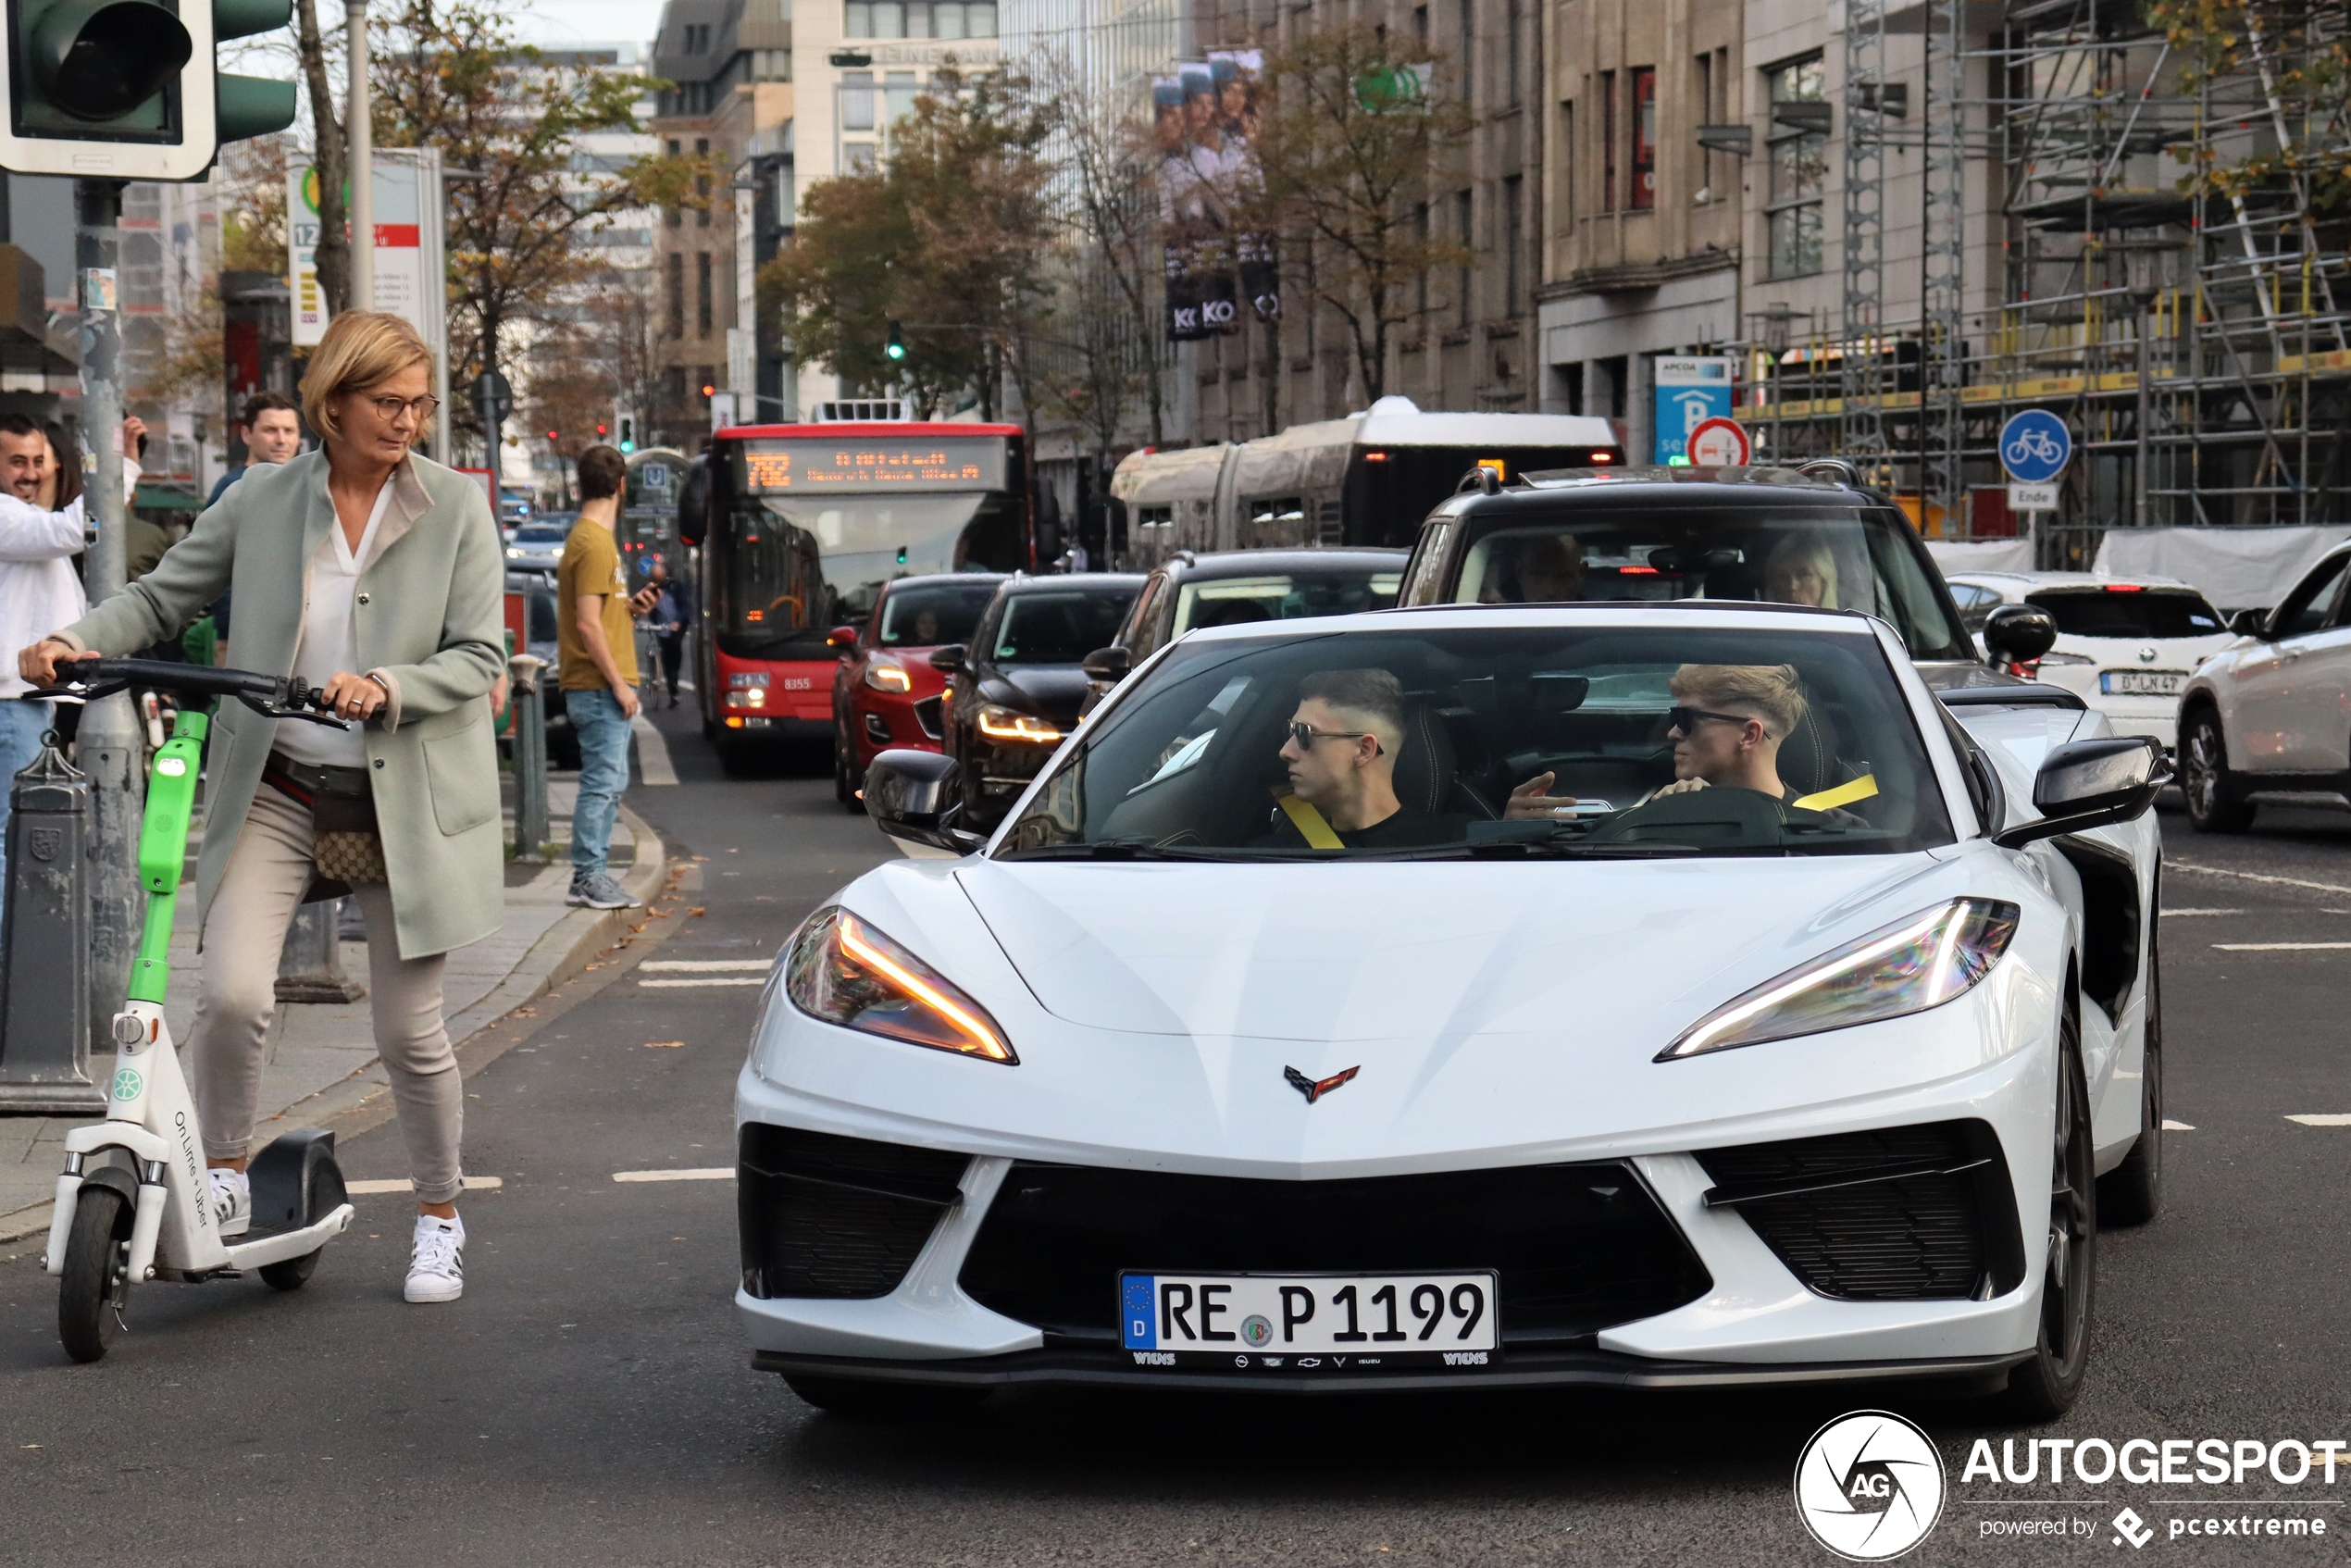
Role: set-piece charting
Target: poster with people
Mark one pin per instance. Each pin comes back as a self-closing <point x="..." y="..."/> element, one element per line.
<point x="1204" y="120"/>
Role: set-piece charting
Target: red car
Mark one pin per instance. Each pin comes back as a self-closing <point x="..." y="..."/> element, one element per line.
<point x="886" y="692"/>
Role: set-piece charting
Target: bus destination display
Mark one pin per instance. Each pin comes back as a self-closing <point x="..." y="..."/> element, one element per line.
<point x="798" y="467"/>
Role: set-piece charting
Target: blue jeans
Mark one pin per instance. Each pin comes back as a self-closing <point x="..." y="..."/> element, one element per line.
<point x="602" y="729"/>
<point x="21" y="727"/>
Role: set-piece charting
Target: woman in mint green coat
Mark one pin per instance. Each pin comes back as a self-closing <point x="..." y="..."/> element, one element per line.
<point x="376" y="576"/>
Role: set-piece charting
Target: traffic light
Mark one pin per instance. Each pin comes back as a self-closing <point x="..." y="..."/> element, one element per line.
<point x="627" y="433"/>
<point x="894" y="349"/>
<point x="602" y="430"/>
<point x="555" y="435"/>
<point x="128" y="89"/>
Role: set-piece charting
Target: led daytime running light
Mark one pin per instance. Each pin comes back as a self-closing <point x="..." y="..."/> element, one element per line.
<point x="1003" y="724"/>
<point x="888" y="678"/>
<point x="1907" y="968"/>
<point x="844" y="971"/>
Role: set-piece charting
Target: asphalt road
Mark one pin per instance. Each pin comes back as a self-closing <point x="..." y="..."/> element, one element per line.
<point x="590" y="1401"/>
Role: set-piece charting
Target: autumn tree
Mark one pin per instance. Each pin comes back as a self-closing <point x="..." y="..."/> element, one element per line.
<point x="2283" y="67"/>
<point x="1354" y="121"/>
<point x="452" y="75"/>
<point x="330" y="157"/>
<point x="947" y="236"/>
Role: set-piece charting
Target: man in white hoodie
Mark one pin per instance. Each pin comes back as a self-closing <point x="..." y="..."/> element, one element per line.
<point x="38" y="591"/>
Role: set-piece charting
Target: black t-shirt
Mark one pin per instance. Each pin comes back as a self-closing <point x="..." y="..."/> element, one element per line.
<point x="1406" y="830"/>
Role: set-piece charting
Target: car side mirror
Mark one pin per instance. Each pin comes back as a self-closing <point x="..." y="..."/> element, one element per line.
<point x="2018" y="634"/>
<point x="912" y="795"/>
<point x="2091" y="784"/>
<point x="841" y="640"/>
<point x="954" y="658"/>
<point x="2251" y="623"/>
<point x="1112" y="664"/>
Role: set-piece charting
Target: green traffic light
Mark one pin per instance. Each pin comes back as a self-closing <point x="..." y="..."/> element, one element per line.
<point x="894" y="349"/>
<point x="627" y="446"/>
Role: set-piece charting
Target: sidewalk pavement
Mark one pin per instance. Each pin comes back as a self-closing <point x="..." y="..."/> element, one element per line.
<point x="321" y="1057"/>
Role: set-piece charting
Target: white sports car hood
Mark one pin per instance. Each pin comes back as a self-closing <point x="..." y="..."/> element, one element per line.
<point x="1625" y="953"/>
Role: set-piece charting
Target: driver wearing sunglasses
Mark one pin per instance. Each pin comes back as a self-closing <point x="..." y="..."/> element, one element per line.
<point x="1727" y="725"/>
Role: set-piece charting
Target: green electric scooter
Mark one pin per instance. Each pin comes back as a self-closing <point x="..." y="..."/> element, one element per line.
<point x="134" y="1203"/>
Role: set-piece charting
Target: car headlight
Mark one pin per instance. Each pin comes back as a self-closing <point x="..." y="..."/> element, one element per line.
<point x="888" y="678"/>
<point x="1007" y="724"/>
<point x="845" y="972"/>
<point x="513" y="553"/>
<point x="1906" y="968"/>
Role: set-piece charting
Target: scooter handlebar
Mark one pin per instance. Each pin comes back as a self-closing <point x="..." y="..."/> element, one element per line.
<point x="270" y="695"/>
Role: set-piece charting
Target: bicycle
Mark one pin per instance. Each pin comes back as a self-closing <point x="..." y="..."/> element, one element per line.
<point x="134" y="1203"/>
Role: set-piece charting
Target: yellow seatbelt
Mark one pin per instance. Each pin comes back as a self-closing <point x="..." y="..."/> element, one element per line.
<point x="1860" y="789"/>
<point x="1308" y="822"/>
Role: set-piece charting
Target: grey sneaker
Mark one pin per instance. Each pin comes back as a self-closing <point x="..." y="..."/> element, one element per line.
<point x="598" y="892"/>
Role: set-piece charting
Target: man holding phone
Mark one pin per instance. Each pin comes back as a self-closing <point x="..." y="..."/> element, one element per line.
<point x="597" y="647"/>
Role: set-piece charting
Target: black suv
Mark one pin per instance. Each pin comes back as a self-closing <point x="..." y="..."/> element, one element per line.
<point x="1767" y="534"/>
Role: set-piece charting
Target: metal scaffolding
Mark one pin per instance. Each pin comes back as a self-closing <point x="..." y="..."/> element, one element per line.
<point x="2196" y="344"/>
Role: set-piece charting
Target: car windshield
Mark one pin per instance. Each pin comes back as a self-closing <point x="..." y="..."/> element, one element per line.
<point x="1059" y="627"/>
<point x="931" y="614"/>
<point x="540" y="533"/>
<point x="1279" y="596"/>
<point x="1514" y="742"/>
<point x="2133" y="612"/>
<point x="1840" y="559"/>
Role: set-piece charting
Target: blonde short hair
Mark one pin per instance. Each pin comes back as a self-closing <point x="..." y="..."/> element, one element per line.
<point x="1770" y="693"/>
<point x="1791" y="555"/>
<point x="361" y="348"/>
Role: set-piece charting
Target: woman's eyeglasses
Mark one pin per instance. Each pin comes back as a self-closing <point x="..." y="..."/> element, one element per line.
<point x="1686" y="719"/>
<point x="390" y="409"/>
<point x="1303" y="735"/>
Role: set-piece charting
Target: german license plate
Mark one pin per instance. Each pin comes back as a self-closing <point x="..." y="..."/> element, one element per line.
<point x="2142" y="682"/>
<point x="1308" y="1321"/>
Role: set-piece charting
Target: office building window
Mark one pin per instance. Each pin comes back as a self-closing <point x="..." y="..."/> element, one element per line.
<point x="1799" y="159"/>
<point x="1469" y="52"/>
<point x="673" y="215"/>
<point x="857" y="100"/>
<point x="701" y="186"/>
<point x="1644" y="192"/>
<point x="857" y="157"/>
<point x="697" y="38"/>
<point x="1566" y="186"/>
<point x="676" y="293"/>
<point x="701" y="293"/>
<point x="1420" y="227"/>
<point x="1513" y="243"/>
<point x="898" y="88"/>
<point x="1515" y="49"/>
<point x="1608" y="141"/>
<point x="1463" y="213"/>
<point x="919" y="19"/>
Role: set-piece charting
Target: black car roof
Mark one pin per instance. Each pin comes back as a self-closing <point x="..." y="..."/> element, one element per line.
<point x="894" y="584"/>
<point x="1553" y="490"/>
<point x="1060" y="582"/>
<point x="1301" y="563"/>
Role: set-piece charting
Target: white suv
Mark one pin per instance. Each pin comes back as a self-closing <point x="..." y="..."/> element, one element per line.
<point x="2124" y="645"/>
<point x="2271" y="713"/>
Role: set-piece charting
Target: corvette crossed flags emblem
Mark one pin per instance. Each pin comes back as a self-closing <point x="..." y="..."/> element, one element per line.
<point x="1315" y="1089"/>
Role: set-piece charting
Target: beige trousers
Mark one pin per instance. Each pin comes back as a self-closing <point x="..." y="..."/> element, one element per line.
<point x="267" y="874"/>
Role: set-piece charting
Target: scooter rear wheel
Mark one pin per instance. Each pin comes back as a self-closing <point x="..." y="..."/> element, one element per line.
<point x="97" y="1273"/>
<point x="320" y="1196"/>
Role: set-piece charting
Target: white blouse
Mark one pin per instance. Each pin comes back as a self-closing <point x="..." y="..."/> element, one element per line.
<point x="329" y="643"/>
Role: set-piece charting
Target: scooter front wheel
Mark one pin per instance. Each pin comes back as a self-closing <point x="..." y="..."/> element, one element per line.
<point x="97" y="1273"/>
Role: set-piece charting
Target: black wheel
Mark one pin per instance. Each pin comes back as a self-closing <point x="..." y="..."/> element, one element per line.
<point x="855" y="1397"/>
<point x="2045" y="1387"/>
<point x="2131" y="1193"/>
<point x="2214" y="803"/>
<point x="97" y="1277"/>
<point x="709" y="728"/>
<point x="321" y="1195"/>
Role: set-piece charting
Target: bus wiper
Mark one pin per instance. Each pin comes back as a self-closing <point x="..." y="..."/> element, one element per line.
<point x="1111" y="849"/>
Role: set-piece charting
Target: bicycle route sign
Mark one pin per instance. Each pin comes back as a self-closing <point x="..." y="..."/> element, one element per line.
<point x="2035" y="446"/>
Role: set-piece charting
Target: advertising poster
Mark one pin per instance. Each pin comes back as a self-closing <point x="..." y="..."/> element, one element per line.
<point x="1203" y="122"/>
<point x="1691" y="390"/>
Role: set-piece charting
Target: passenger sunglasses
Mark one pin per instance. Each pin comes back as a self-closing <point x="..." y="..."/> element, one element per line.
<point x="1686" y="719"/>
<point x="1305" y="735"/>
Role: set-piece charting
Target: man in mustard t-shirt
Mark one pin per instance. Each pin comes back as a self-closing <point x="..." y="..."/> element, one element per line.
<point x="597" y="651"/>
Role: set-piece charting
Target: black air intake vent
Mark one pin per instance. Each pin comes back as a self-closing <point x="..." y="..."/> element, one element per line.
<point x="838" y="1217"/>
<point x="1910" y="1214"/>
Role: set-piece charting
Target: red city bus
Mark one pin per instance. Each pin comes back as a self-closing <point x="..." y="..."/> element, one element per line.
<point x="802" y="524"/>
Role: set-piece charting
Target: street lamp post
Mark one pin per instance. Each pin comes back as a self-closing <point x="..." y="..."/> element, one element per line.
<point x="359" y="138"/>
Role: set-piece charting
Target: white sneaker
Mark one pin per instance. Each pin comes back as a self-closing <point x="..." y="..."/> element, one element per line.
<point x="231" y="1201"/>
<point x="437" y="1269"/>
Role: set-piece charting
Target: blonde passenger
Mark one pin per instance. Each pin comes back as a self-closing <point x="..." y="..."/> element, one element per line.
<point x="1802" y="570"/>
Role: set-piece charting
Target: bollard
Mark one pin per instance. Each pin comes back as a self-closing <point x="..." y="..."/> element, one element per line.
<point x="531" y="755"/>
<point x="310" y="964"/>
<point x="45" y="943"/>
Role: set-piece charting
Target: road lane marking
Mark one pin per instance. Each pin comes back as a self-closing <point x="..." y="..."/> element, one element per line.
<point x="704" y="965"/>
<point x="653" y="765"/>
<point x="2170" y="1125"/>
<point x="707" y="1173"/>
<point x="2321" y="1121"/>
<point x="2281" y="947"/>
<point x="2172" y="912"/>
<point x="372" y="1188"/>
<point x="2190" y="865"/>
<point x="706" y="980"/>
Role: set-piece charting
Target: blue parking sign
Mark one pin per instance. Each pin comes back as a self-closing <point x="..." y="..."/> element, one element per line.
<point x="2035" y="446"/>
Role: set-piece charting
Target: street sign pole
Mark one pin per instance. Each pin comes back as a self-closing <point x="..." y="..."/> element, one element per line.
<point x="107" y="743"/>
<point x="494" y="398"/>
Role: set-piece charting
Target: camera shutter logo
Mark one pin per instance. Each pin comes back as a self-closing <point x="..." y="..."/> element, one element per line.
<point x="1870" y="1486"/>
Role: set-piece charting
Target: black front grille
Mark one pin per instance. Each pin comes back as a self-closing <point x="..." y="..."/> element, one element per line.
<point x="1578" y="1246"/>
<point x="1862" y="1230"/>
<point x="839" y="1217"/>
<point x="927" y="714"/>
